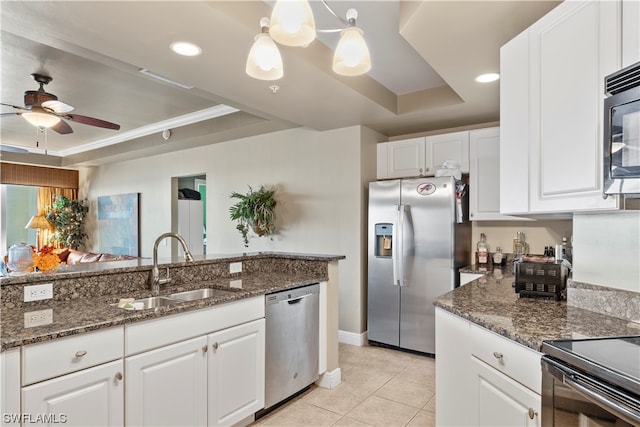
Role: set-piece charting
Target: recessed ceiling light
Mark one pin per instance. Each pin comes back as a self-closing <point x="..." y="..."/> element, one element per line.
<point x="486" y="78"/>
<point x="186" y="48"/>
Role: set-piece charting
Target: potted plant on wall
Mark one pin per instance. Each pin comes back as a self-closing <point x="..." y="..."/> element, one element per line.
<point x="254" y="210"/>
<point x="68" y="216"/>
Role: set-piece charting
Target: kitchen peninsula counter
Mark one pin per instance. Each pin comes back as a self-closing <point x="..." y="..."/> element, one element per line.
<point x="86" y="297"/>
<point x="491" y="302"/>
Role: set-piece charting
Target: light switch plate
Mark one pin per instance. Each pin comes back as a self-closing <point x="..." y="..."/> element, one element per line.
<point x="236" y="284"/>
<point x="235" y="267"/>
<point x="38" y="292"/>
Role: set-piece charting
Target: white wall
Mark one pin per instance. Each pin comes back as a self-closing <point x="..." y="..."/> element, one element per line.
<point x="319" y="177"/>
<point x="607" y="249"/>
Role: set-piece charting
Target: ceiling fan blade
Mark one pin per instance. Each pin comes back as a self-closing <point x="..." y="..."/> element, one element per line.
<point x="62" y="127"/>
<point x="90" y="121"/>
<point x="11" y="105"/>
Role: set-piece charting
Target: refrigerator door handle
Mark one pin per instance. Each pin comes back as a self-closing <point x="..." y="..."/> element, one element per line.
<point x="396" y="248"/>
<point x="399" y="267"/>
<point x="406" y="231"/>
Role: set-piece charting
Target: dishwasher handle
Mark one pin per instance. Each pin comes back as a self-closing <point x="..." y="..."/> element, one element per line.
<point x="295" y="300"/>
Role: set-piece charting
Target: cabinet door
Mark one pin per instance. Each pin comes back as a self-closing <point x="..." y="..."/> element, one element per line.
<point x="484" y="175"/>
<point x="236" y="373"/>
<point x="450" y="146"/>
<point x="452" y="370"/>
<point x="94" y="396"/>
<point x="381" y="160"/>
<point x="630" y="32"/>
<point x="500" y="401"/>
<point x="10" y="387"/>
<point x="168" y="386"/>
<point x="406" y="158"/>
<point x="572" y="48"/>
<point x="514" y="125"/>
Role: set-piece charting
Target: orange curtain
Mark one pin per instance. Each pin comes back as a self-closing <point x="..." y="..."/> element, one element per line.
<point x="44" y="200"/>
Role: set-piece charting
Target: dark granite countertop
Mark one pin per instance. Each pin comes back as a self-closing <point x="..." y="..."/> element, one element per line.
<point x="491" y="302"/>
<point x="86" y="314"/>
<point x="146" y="264"/>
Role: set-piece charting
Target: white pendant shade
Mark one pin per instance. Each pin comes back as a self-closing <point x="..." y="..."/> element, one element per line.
<point x="292" y="23"/>
<point x="264" y="61"/>
<point x="351" y="57"/>
<point x="41" y="119"/>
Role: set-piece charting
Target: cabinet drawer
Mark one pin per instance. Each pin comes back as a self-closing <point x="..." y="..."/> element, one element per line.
<point x="150" y="334"/>
<point x="62" y="356"/>
<point x="515" y="360"/>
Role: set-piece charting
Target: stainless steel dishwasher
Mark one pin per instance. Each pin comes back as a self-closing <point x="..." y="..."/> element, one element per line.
<point x="292" y="342"/>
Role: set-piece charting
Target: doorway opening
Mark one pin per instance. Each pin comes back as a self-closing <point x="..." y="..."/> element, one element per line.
<point x="189" y="214"/>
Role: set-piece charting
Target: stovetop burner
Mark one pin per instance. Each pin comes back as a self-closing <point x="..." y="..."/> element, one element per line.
<point x="616" y="359"/>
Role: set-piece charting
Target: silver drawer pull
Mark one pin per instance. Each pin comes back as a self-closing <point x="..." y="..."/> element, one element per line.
<point x="532" y="413"/>
<point x="81" y="353"/>
<point x="497" y="355"/>
<point x="214" y="345"/>
<point x="119" y="376"/>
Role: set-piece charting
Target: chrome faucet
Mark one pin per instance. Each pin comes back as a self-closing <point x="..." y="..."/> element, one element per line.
<point x="154" y="279"/>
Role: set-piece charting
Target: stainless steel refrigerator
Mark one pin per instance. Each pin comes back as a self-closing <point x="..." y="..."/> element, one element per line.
<point x="419" y="236"/>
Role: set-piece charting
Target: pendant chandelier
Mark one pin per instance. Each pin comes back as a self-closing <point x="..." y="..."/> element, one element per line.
<point x="292" y="24"/>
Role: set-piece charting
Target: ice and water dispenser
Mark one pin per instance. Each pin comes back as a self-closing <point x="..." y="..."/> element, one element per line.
<point x="384" y="239"/>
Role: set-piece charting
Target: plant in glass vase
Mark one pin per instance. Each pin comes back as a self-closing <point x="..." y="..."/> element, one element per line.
<point x="254" y="210"/>
<point x="67" y="215"/>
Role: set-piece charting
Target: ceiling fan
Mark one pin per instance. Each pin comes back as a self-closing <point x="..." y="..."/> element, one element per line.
<point x="43" y="109"/>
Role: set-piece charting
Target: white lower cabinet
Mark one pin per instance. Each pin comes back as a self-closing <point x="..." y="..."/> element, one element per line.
<point x="199" y="368"/>
<point x="236" y="368"/>
<point x="10" y="387"/>
<point x="93" y="396"/>
<point x="498" y="400"/>
<point x="483" y="379"/>
<point x="168" y="386"/>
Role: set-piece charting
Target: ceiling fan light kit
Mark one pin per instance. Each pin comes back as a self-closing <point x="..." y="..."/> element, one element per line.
<point x="292" y="24"/>
<point x="41" y="119"/>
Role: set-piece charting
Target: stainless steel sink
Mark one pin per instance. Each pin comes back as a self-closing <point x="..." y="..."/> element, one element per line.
<point x="149" y="303"/>
<point x="154" y="302"/>
<point x="200" y="294"/>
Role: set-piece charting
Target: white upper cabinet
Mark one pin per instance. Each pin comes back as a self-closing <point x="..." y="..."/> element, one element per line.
<point x="630" y="32"/>
<point x="406" y="158"/>
<point x="449" y="146"/>
<point x="484" y="175"/>
<point x="422" y="156"/>
<point x="551" y="109"/>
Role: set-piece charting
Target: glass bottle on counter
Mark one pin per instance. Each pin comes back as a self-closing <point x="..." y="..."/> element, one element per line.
<point x="482" y="250"/>
<point x="497" y="256"/>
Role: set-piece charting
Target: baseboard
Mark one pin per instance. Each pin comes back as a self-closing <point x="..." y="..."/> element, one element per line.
<point x="330" y="379"/>
<point x="352" y="338"/>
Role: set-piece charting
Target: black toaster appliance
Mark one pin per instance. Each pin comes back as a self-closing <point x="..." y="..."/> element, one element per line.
<point x="541" y="277"/>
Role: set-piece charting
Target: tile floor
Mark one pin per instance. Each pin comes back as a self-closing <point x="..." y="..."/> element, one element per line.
<point x="380" y="387"/>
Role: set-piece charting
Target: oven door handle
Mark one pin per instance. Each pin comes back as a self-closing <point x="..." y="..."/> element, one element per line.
<point x="609" y="402"/>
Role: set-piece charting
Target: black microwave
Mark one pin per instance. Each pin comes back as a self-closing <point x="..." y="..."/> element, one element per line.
<point x="622" y="132"/>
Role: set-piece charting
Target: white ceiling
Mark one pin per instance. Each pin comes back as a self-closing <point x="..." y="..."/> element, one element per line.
<point x="425" y="55"/>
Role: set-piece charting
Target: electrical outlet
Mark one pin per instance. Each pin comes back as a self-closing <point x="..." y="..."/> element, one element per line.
<point x="237" y="284"/>
<point x="38" y="318"/>
<point x="38" y="292"/>
<point x="235" y="267"/>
